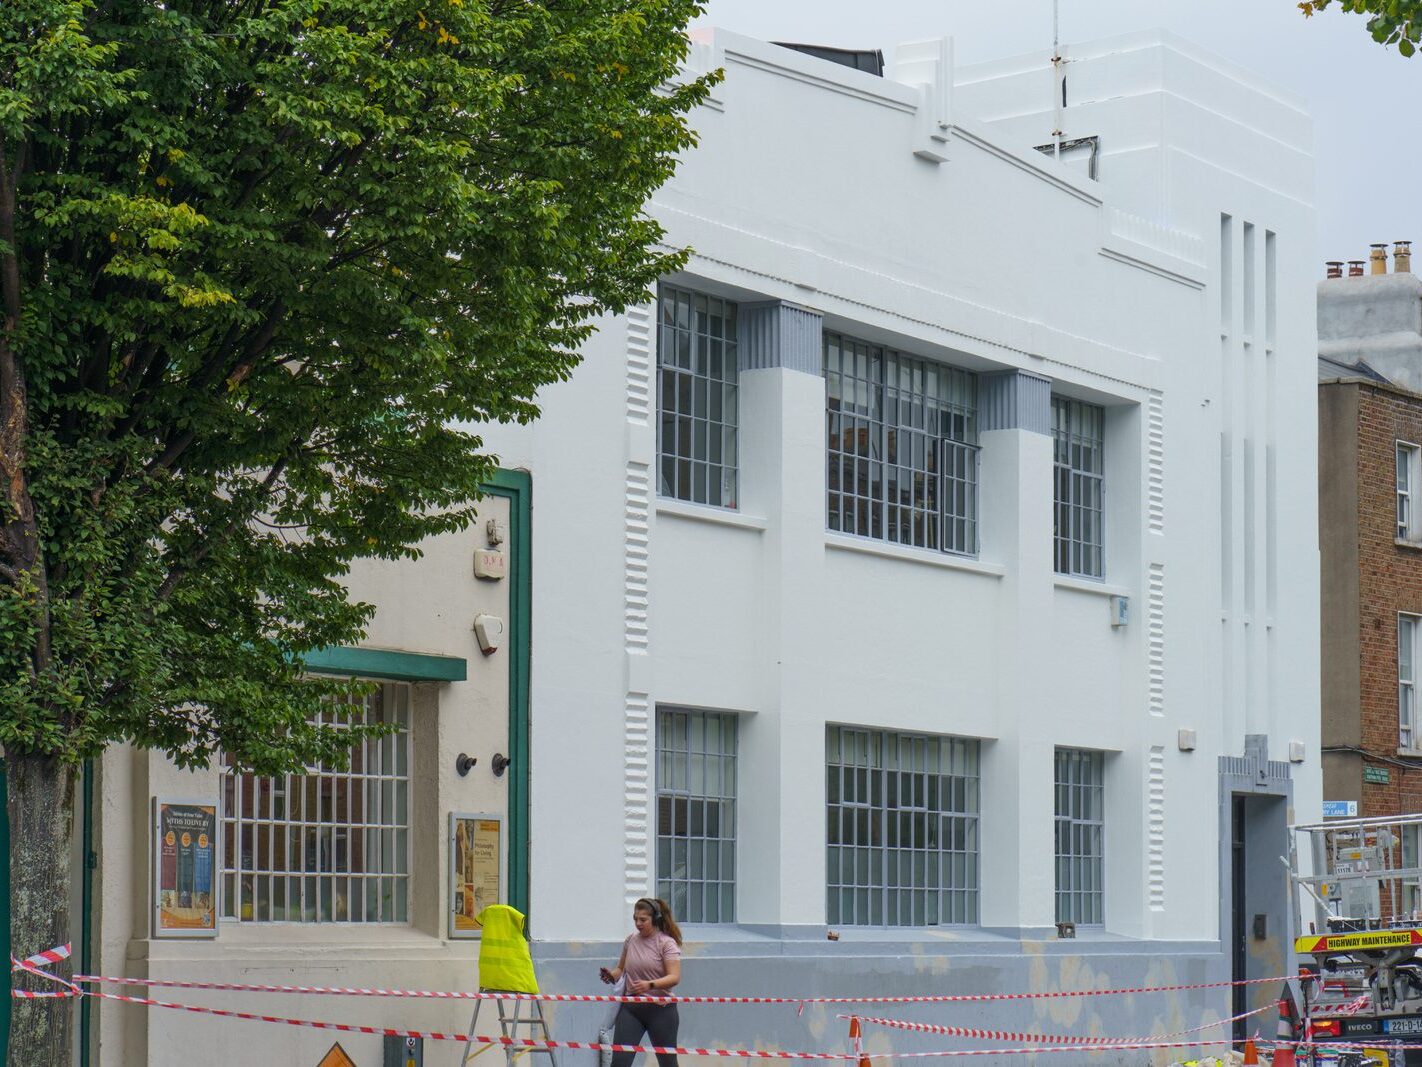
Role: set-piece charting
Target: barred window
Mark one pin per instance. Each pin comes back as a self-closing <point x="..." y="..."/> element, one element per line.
<point x="696" y="814"/>
<point x="697" y="444"/>
<point x="902" y="460"/>
<point x="903" y="828"/>
<point x="326" y="846"/>
<point x="1078" y="437"/>
<point x="1080" y="831"/>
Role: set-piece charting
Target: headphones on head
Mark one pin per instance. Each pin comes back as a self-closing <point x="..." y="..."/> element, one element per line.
<point x="652" y="907"/>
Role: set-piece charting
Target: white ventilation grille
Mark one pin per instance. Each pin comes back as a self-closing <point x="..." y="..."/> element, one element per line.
<point x="1155" y="829"/>
<point x="639" y="363"/>
<point x="1155" y="639"/>
<point x="1155" y="463"/>
<point x="638" y="786"/>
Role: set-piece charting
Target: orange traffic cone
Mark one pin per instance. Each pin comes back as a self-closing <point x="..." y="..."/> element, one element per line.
<point x="1285" y="1031"/>
<point x="857" y="1041"/>
<point x="1251" y="1053"/>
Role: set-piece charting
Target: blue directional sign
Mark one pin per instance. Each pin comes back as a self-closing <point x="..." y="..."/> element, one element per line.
<point x="1340" y="809"/>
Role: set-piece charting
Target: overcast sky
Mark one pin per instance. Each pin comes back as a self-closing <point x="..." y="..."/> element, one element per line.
<point x="1366" y="100"/>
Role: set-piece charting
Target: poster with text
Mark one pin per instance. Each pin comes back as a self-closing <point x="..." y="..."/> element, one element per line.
<point x="184" y="868"/>
<point x="475" y="863"/>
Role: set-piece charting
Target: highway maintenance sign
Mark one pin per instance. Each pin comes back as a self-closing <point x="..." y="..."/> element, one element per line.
<point x="1373" y="939"/>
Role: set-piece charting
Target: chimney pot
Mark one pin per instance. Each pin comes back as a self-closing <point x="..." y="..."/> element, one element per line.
<point x="1335" y="268"/>
<point x="1377" y="258"/>
<point x="1355" y="268"/>
<point x="1402" y="257"/>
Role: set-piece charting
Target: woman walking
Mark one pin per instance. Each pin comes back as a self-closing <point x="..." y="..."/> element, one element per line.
<point x="651" y="965"/>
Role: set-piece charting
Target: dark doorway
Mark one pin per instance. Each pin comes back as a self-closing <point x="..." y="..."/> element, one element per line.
<point x="1238" y="964"/>
<point x="1259" y="915"/>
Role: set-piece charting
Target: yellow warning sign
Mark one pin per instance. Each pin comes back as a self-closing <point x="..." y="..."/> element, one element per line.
<point x="1357" y="942"/>
<point x="336" y="1057"/>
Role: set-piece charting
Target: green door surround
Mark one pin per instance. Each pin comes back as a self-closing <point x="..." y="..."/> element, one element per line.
<point x="517" y="488"/>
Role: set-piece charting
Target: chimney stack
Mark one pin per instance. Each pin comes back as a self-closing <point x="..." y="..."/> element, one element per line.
<point x="1402" y="257"/>
<point x="1355" y="268"/>
<point x="1335" y="268"/>
<point x="1377" y="258"/>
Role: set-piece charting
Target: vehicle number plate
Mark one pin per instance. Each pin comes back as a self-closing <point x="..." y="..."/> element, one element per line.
<point x="1403" y="1026"/>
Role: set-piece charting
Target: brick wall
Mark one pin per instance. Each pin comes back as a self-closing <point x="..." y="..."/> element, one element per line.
<point x="1390" y="581"/>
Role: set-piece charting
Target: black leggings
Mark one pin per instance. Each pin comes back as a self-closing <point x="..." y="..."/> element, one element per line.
<point x="657" y="1021"/>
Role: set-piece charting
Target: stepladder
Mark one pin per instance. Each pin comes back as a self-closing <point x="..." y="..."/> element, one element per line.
<point x="519" y="1019"/>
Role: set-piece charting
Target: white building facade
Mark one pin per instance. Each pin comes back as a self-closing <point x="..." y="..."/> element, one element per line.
<point x="933" y="563"/>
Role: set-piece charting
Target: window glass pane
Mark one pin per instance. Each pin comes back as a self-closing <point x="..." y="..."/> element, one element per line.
<point x="902" y="454"/>
<point x="1080" y="836"/>
<point x="696" y="398"/>
<point x="322" y="823"/>
<point x="909" y="802"/>
<point x="696" y="754"/>
<point x="1079" y="499"/>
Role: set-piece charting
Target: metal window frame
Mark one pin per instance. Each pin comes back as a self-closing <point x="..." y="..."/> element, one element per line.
<point x="1082" y="904"/>
<point x="862" y="801"/>
<point x="379" y="834"/>
<point x="715" y="483"/>
<point x="891" y="381"/>
<point x="1079" y="491"/>
<point x="688" y="894"/>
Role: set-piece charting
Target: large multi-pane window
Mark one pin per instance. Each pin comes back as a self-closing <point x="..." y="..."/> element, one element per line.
<point x="902" y="828"/>
<point x="1409" y="475"/>
<point x="1407" y="632"/>
<point x="1078" y="437"/>
<point x="903" y="447"/>
<point x="697" y="442"/>
<point x="327" y="846"/>
<point x="696" y="814"/>
<point x="1080" y="795"/>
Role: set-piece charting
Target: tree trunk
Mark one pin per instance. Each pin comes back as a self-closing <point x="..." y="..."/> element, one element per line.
<point x="41" y="807"/>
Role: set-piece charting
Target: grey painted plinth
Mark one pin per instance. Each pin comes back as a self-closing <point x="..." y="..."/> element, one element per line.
<point x="743" y="963"/>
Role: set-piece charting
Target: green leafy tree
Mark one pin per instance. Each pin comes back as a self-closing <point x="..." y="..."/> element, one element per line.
<point x="262" y="265"/>
<point x="1391" y="22"/>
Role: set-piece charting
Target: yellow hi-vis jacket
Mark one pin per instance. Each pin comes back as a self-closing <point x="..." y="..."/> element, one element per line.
<point x="504" y="962"/>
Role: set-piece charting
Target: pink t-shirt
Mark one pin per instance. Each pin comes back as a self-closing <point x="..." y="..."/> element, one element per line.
<point x="647" y="957"/>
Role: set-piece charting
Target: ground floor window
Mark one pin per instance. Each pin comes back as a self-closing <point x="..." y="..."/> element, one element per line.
<point x="696" y="814"/>
<point x="1080" y="794"/>
<point x="325" y="846"/>
<point x="903" y="828"/>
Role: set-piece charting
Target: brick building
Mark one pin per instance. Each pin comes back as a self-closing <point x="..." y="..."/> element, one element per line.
<point x="1370" y="526"/>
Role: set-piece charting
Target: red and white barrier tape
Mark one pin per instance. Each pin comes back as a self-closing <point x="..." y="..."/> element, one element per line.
<point x="1054" y="1039"/>
<point x="678" y="1050"/>
<point x="52" y="955"/>
<point x="582" y="998"/>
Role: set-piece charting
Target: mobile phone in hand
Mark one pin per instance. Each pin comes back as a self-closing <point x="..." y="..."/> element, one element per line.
<point x="605" y="975"/>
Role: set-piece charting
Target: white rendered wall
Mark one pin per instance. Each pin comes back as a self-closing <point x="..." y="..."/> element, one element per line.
<point x="806" y="189"/>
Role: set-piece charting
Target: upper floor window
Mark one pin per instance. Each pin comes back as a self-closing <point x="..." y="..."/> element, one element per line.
<point x="696" y="814"/>
<point x="697" y="443"/>
<point x="1078" y="437"/>
<point x="1409" y="478"/>
<point x="902" y="828"/>
<point x="327" y="846"/>
<point x="903" y="447"/>
<point x="1407" y="631"/>
<point x="1080" y="811"/>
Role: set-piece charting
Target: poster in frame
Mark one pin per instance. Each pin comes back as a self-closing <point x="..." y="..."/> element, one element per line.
<point x="185" y="845"/>
<point x="475" y="869"/>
